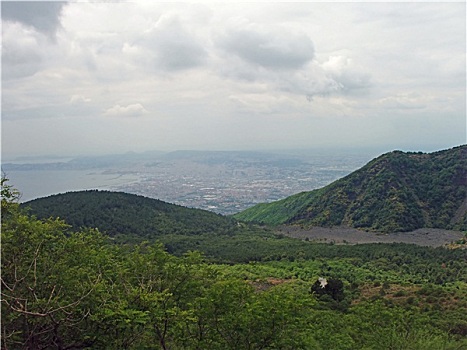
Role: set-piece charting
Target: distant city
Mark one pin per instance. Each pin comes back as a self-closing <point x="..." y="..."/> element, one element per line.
<point x="222" y="182"/>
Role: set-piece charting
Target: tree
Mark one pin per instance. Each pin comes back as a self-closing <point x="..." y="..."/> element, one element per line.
<point x="9" y="197"/>
<point x="54" y="283"/>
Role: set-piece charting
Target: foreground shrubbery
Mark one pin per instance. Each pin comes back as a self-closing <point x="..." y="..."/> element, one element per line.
<point x="74" y="290"/>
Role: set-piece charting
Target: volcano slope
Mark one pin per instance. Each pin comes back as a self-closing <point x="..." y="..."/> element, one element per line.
<point x="395" y="192"/>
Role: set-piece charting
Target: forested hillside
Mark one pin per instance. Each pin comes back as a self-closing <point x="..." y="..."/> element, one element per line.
<point x="117" y="214"/>
<point x="395" y="192"/>
<point x="78" y="289"/>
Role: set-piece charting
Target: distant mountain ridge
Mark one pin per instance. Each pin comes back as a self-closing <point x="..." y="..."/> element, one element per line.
<point x="394" y="192"/>
<point x="118" y="213"/>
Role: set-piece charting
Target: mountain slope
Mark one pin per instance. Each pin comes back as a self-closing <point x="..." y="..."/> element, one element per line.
<point x="118" y="213"/>
<point x="395" y="192"/>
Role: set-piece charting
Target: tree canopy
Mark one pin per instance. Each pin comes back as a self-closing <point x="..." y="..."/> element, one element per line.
<point x="75" y="289"/>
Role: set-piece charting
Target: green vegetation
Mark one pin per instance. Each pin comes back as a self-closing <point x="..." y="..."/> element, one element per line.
<point x="132" y="216"/>
<point x="133" y="219"/>
<point x="75" y="288"/>
<point x="394" y="192"/>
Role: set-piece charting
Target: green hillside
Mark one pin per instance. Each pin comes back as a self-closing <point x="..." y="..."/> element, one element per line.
<point x="395" y="192"/>
<point x="78" y="289"/>
<point x="118" y="213"/>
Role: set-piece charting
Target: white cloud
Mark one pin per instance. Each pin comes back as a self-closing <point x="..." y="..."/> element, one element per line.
<point x="266" y="104"/>
<point x="79" y="100"/>
<point x="130" y="111"/>
<point x="404" y="101"/>
<point x="348" y="75"/>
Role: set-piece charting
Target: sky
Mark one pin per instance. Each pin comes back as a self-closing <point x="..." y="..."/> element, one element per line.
<point x="103" y="77"/>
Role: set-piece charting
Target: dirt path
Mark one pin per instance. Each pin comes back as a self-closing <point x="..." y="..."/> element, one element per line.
<point x="346" y="235"/>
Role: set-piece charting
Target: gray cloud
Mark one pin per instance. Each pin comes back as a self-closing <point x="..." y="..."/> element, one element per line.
<point x="28" y="33"/>
<point x="172" y="46"/>
<point x="44" y="16"/>
<point x="275" y="48"/>
<point x="22" y="54"/>
<point x="283" y="59"/>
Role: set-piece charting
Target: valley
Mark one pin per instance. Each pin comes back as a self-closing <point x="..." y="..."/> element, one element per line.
<point x="105" y="269"/>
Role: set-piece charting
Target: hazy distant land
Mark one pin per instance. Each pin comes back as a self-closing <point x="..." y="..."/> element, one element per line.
<point x="223" y="182"/>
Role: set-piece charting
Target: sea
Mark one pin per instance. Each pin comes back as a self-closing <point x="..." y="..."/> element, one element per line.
<point x="34" y="184"/>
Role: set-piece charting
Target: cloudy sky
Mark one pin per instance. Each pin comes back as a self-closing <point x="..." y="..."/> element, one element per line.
<point x="110" y="77"/>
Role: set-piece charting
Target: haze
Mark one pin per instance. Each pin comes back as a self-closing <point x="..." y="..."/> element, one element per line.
<point x="84" y="78"/>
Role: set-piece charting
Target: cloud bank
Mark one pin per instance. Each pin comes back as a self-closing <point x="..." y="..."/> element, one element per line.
<point x="233" y="76"/>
